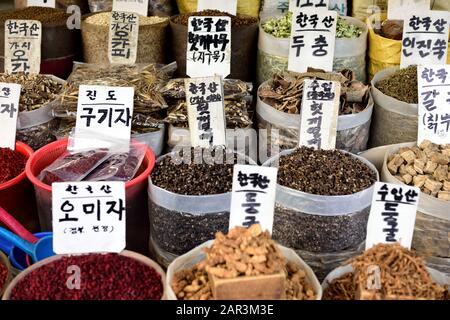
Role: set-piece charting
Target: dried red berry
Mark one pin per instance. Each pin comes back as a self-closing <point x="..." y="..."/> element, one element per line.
<point x="3" y="275"/>
<point x="12" y="163"/>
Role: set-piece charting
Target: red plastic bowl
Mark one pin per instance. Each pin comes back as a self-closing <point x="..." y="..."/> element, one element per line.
<point x="17" y="196"/>
<point x="138" y="226"/>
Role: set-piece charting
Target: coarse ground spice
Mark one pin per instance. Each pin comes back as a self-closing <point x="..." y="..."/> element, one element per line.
<point x="236" y="21"/>
<point x="12" y="163"/>
<point x="45" y="15"/>
<point x="3" y="275"/>
<point x="402" y="85"/>
<point x="324" y="172"/>
<point x="103" y="277"/>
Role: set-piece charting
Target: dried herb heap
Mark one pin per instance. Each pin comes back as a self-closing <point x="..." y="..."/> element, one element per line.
<point x="285" y="91"/>
<point x="342" y="288"/>
<point x="12" y="164"/>
<point x="324" y="172"/>
<point x="242" y="252"/>
<point x="281" y="27"/>
<point x="236" y="21"/>
<point x="426" y="166"/>
<point x="36" y="90"/>
<point x="402" y="85"/>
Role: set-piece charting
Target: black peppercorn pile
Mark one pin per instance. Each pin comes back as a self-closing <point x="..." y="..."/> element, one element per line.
<point x="192" y="178"/>
<point x="324" y="172"/>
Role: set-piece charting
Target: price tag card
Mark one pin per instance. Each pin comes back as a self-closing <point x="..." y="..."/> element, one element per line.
<point x="208" y="46"/>
<point x="229" y="6"/>
<point x="312" y="41"/>
<point x="253" y="196"/>
<point x="206" y="115"/>
<point x="425" y="39"/>
<point x="319" y="113"/>
<point x="123" y="37"/>
<point x="137" y="6"/>
<point x="392" y="214"/>
<point x="434" y="104"/>
<point x="23" y="46"/>
<point x="308" y="4"/>
<point x="41" y="3"/>
<point x="88" y="217"/>
<point x="403" y="9"/>
<point x="9" y="109"/>
<point x="103" y="117"/>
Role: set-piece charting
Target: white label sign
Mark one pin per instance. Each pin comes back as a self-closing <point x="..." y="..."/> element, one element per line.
<point x="253" y="196"/>
<point x="137" y="6"/>
<point x="41" y="3"/>
<point x="403" y="9"/>
<point x="425" y="39"/>
<point x="308" y="4"/>
<point x="23" y="46"/>
<point x="104" y="117"/>
<point x="434" y="104"/>
<point x="340" y="6"/>
<point x="319" y="113"/>
<point x="312" y="40"/>
<point x="123" y="37"/>
<point x="88" y="217"/>
<point x="208" y="47"/>
<point x="229" y="6"/>
<point x="392" y="214"/>
<point x="206" y="115"/>
<point x="9" y="109"/>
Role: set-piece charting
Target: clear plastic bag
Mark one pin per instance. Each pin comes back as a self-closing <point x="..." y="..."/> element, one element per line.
<point x="39" y="135"/>
<point x="318" y="223"/>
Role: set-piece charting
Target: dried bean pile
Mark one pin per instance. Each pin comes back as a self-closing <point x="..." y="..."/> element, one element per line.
<point x="12" y="163"/>
<point x="236" y="21"/>
<point x="402" y="85"/>
<point x="3" y="275"/>
<point x="324" y="172"/>
<point x="103" y="277"/>
<point x="425" y="166"/>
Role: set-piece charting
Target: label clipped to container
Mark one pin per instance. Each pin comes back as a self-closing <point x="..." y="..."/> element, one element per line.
<point x="313" y="39"/>
<point x="319" y="113"/>
<point x="229" y="6"/>
<point x="425" y="39"/>
<point x="208" y="46"/>
<point x="104" y="117"/>
<point x="41" y="3"/>
<point x="402" y="9"/>
<point x="88" y="217"/>
<point x="137" y="6"/>
<point x="392" y="214"/>
<point x="9" y="109"/>
<point x="434" y="104"/>
<point x="253" y="196"/>
<point x="23" y="46"/>
<point x="206" y="114"/>
<point x="308" y="4"/>
<point x="123" y="37"/>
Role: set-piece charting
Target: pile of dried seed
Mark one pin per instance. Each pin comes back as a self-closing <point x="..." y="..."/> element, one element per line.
<point x="3" y="275"/>
<point x="36" y="90"/>
<point x="236" y="21"/>
<point x="12" y="164"/>
<point x="403" y="274"/>
<point x="324" y="172"/>
<point x="402" y="85"/>
<point x="426" y="166"/>
<point x="103" y="277"/>
<point x="46" y="16"/>
<point x="104" y="18"/>
<point x="195" y="178"/>
<point x="285" y="91"/>
<point x="250" y="252"/>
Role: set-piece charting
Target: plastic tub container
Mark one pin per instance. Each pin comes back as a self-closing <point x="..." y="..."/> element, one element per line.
<point x="196" y="255"/>
<point x="154" y="140"/>
<point x="17" y="196"/>
<point x="18" y="258"/>
<point x="4" y="261"/>
<point x="137" y="231"/>
<point x="126" y="253"/>
<point x="302" y="220"/>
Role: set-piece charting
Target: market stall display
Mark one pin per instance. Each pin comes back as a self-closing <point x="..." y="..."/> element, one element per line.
<point x="257" y="257"/>
<point x="128" y="276"/>
<point x="273" y="47"/>
<point x="279" y="103"/>
<point x="403" y="276"/>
